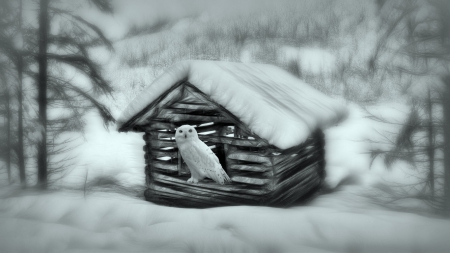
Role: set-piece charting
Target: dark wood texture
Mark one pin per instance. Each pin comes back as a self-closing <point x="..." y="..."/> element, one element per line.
<point x="44" y="27"/>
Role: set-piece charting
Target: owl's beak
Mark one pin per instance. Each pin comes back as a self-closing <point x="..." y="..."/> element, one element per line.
<point x="185" y="136"/>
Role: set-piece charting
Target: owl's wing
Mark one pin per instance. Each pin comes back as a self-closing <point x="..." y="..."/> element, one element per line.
<point x="192" y="158"/>
<point x="211" y="165"/>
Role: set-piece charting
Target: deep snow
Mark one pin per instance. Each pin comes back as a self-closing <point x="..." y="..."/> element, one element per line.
<point x="109" y="222"/>
<point x="93" y="221"/>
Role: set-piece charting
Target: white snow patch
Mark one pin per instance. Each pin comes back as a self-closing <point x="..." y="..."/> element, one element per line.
<point x="101" y="222"/>
<point x="347" y="147"/>
<point x="310" y="60"/>
<point x="108" y="154"/>
<point x="247" y="52"/>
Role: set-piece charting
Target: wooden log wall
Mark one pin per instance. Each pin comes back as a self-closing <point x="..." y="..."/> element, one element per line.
<point x="260" y="177"/>
<point x="261" y="174"/>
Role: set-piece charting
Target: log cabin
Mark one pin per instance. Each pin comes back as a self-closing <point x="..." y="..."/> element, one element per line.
<point x="264" y="124"/>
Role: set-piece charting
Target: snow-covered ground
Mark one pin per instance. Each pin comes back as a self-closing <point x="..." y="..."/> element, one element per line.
<point x="109" y="222"/>
<point x="98" y="221"/>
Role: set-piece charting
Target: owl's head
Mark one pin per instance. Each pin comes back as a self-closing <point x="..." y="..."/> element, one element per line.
<point x="185" y="133"/>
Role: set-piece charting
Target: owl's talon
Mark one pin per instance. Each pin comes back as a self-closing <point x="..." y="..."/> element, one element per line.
<point x="192" y="181"/>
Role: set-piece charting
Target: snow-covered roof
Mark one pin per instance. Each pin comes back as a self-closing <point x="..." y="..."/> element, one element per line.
<point x="274" y="104"/>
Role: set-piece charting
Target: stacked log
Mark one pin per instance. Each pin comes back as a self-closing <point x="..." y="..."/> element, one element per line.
<point x="261" y="174"/>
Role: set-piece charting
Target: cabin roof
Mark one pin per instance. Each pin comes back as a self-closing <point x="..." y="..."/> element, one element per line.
<point x="274" y="104"/>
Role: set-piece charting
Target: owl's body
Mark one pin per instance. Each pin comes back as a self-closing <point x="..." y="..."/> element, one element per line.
<point x="200" y="159"/>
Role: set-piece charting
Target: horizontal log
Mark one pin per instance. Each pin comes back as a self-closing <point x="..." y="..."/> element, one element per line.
<point x="163" y="144"/>
<point x="311" y="169"/>
<point x="164" y="165"/>
<point x="290" y="162"/>
<point x="162" y="198"/>
<point x="208" y="185"/>
<point x="248" y="167"/>
<point x="295" y="191"/>
<point x="200" y="189"/>
<point x="159" y="152"/>
<point x="251" y="181"/>
<point x="173" y="117"/>
<point x="251" y="174"/>
<point x="290" y="158"/>
<point x="299" y="178"/>
<point x="250" y="157"/>
<point x="159" y="135"/>
<point x="210" y="128"/>
<point x="192" y="106"/>
<point x="233" y="141"/>
<point x="169" y="192"/>
<point x="251" y="178"/>
<point x="211" y="111"/>
<point x="290" y="169"/>
<point x="159" y="125"/>
<point x="262" y="151"/>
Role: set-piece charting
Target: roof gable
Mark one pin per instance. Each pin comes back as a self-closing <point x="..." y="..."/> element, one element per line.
<point x="272" y="103"/>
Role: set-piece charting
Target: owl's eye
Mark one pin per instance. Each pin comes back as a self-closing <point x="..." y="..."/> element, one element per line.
<point x="180" y="131"/>
<point x="190" y="130"/>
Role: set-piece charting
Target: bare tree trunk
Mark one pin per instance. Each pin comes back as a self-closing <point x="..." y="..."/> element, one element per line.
<point x="446" y="105"/>
<point x="8" y="133"/>
<point x="20" y="146"/>
<point x="430" y="144"/>
<point x="42" y="96"/>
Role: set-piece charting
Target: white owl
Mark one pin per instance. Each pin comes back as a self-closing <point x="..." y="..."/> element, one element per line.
<point x="200" y="159"/>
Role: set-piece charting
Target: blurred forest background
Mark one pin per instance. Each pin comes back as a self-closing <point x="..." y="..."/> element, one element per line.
<point x="61" y="59"/>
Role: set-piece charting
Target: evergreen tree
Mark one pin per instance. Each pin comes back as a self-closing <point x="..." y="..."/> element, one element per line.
<point x="66" y="50"/>
<point x="419" y="47"/>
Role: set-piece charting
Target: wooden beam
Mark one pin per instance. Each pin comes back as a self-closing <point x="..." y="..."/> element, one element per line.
<point x="211" y="186"/>
<point x="176" y="117"/>
<point x="289" y="158"/>
<point x="192" y="106"/>
<point x="188" y="195"/>
<point x="207" y="111"/>
<point x="159" y="125"/>
<point x="293" y="169"/>
<point x="249" y="167"/>
<point x="164" y="165"/>
<point x="163" y="144"/>
<point x="232" y="141"/>
<point x="158" y="135"/>
<point x="253" y="175"/>
<point x="250" y="157"/>
<point x="310" y="169"/>
<point x="294" y="192"/>
<point x="251" y="181"/>
<point x="159" y="152"/>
